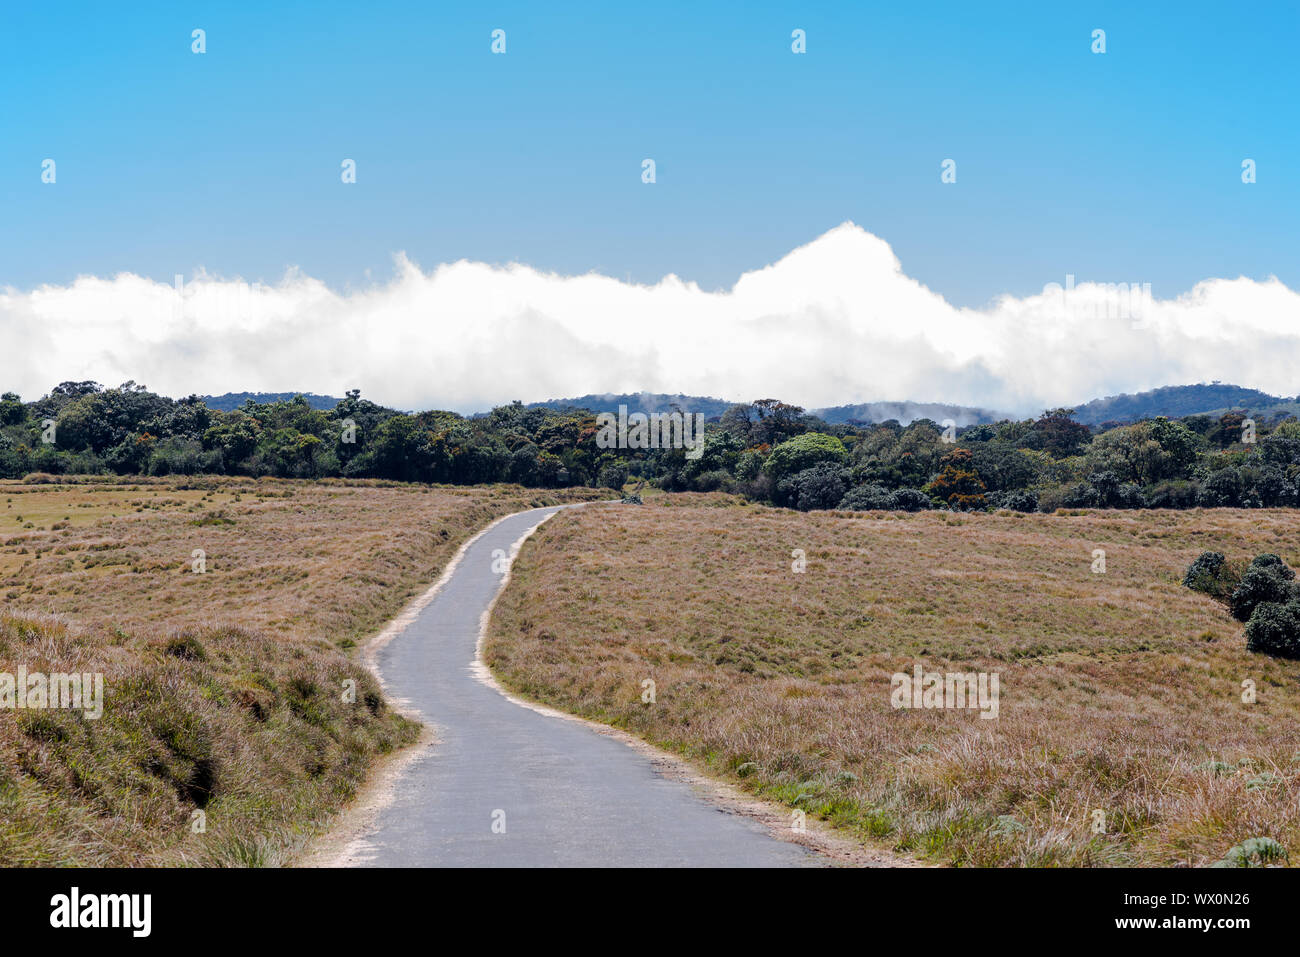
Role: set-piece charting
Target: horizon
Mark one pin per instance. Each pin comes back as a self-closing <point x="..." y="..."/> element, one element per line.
<point x="996" y="415"/>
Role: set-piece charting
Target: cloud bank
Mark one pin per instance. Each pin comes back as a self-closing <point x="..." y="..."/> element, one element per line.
<point x="835" y="321"/>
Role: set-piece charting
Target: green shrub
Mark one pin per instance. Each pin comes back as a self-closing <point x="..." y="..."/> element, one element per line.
<point x="711" y="481"/>
<point x="1006" y="826"/>
<point x="1212" y="575"/>
<point x="1173" y="493"/>
<point x="911" y="500"/>
<point x="867" y="498"/>
<point x="614" y="475"/>
<point x="1263" y="782"/>
<point x="1253" y="852"/>
<point x="1274" y="629"/>
<point x="819" y="487"/>
<point x="1265" y="581"/>
<point x="1018" y="500"/>
<point x="1274" y="563"/>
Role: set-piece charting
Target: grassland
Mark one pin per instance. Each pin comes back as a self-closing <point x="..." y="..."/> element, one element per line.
<point x="224" y="690"/>
<point x="1121" y="692"/>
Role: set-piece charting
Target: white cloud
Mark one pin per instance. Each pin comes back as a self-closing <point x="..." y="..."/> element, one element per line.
<point x="832" y="322"/>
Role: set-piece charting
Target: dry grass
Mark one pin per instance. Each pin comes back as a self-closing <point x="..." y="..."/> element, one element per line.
<point x="1119" y="691"/>
<point x="223" y="690"/>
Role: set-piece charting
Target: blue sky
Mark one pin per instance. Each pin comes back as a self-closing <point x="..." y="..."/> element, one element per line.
<point x="1116" y="167"/>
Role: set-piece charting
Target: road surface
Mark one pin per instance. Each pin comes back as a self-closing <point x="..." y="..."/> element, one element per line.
<point x="508" y="786"/>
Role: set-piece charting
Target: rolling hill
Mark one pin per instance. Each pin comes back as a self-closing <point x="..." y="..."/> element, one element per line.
<point x="1175" y="401"/>
<point x="233" y="400"/>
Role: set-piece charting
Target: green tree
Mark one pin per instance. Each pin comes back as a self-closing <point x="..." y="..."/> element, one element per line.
<point x="1057" y="432"/>
<point x="11" y="409"/>
<point x="803" y="452"/>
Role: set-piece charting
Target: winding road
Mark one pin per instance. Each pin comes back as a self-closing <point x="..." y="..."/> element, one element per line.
<point x="507" y="785"/>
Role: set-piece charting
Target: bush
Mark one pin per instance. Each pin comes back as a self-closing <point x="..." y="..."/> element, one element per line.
<point x="1105" y="485"/>
<point x="1212" y="575"/>
<point x="1262" y="583"/>
<point x="1175" y="493"/>
<point x="1223" y="489"/>
<point x="911" y="500"/>
<point x="867" y="498"/>
<point x="1274" y="629"/>
<point x="761" y="488"/>
<point x="821" y="486"/>
<point x="1103" y="490"/>
<point x="749" y="465"/>
<point x="1080" y="495"/>
<point x="1270" y="487"/>
<point x="181" y="457"/>
<point x="1274" y="563"/>
<point x="1129" y="495"/>
<point x="1018" y="500"/>
<point x="712" y="481"/>
<point x="1052" y="497"/>
<point x="612" y="476"/>
<point x="1253" y="852"/>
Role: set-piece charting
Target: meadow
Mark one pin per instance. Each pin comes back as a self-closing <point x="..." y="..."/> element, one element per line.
<point x="1133" y="726"/>
<point x="223" y="614"/>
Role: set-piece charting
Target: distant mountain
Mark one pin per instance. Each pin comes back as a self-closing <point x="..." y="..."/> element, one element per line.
<point x="233" y="400"/>
<point x="906" y="412"/>
<point x="639" y="402"/>
<point x="1177" y="401"/>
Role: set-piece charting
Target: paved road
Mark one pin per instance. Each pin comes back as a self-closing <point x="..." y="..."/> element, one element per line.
<point x="570" y="796"/>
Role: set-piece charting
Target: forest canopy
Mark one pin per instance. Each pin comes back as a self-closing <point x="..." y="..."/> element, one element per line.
<point x="767" y="450"/>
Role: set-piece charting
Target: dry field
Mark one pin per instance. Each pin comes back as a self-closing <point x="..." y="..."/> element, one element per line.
<point x="1120" y="692"/>
<point x="223" y="690"/>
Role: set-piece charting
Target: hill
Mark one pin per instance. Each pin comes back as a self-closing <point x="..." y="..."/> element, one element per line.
<point x="233" y="400"/>
<point x="639" y="402"/>
<point x="1177" y="401"/>
<point x="906" y="412"/>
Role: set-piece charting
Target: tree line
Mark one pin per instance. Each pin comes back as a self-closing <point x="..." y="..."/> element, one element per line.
<point x="767" y="450"/>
